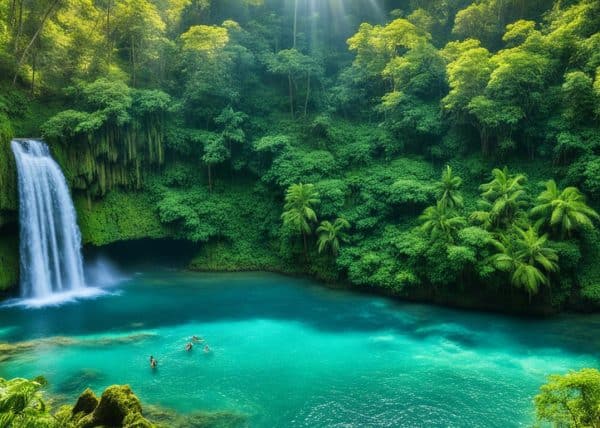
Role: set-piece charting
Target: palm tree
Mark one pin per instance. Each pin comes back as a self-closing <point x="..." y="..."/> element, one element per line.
<point x="502" y="198"/>
<point x="565" y="210"/>
<point x="448" y="189"/>
<point x="527" y="258"/>
<point x="441" y="222"/>
<point x="330" y="235"/>
<point x="299" y="214"/>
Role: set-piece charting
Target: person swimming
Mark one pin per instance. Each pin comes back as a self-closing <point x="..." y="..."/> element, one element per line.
<point x="207" y="350"/>
<point x="189" y="346"/>
<point x="197" y="339"/>
<point x="153" y="362"/>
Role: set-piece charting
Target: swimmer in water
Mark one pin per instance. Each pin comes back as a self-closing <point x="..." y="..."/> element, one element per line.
<point x="153" y="362"/>
<point x="207" y="350"/>
<point x="189" y="346"/>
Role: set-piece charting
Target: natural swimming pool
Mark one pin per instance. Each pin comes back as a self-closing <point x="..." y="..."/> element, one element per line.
<point x="289" y="352"/>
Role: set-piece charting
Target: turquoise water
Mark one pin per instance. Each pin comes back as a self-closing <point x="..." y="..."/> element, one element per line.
<point x="287" y="352"/>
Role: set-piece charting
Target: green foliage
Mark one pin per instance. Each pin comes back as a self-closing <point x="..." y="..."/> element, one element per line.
<point x="448" y="189"/>
<point x="571" y="400"/>
<point x="205" y="39"/>
<point x="527" y="258"/>
<point x="119" y="217"/>
<point x="298" y="211"/>
<point x="22" y="404"/>
<point x="502" y="198"/>
<point x="564" y="211"/>
<point x="441" y="223"/>
<point x="331" y="235"/>
<point x="295" y="164"/>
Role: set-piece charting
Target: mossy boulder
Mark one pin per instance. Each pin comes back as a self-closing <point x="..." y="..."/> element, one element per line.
<point x="118" y="407"/>
<point x="86" y="403"/>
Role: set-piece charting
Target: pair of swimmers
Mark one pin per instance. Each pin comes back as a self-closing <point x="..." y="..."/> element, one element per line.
<point x="190" y="345"/>
<point x="196" y="339"/>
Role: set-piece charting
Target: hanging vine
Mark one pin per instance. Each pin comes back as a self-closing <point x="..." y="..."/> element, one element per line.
<point x="114" y="145"/>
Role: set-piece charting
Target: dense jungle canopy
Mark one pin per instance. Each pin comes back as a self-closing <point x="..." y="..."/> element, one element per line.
<point x="442" y="150"/>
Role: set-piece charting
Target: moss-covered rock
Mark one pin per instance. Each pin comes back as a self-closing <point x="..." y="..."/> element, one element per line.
<point x="86" y="403"/>
<point x="118" y="407"/>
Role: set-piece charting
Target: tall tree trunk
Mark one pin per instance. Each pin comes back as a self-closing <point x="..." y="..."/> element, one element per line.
<point x="295" y="21"/>
<point x="305" y="246"/>
<point x="132" y="62"/>
<point x="34" y="38"/>
<point x="12" y="13"/>
<point x="19" y="25"/>
<point x="209" y="178"/>
<point x="291" y="89"/>
<point x="485" y="145"/>
<point x="108" y="41"/>
<point x="307" y="94"/>
<point x="33" y="73"/>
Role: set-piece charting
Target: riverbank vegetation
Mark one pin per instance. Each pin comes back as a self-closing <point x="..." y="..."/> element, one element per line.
<point x="438" y="150"/>
<point x="25" y="403"/>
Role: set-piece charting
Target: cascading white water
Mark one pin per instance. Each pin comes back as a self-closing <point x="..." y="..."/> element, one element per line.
<point x="50" y="241"/>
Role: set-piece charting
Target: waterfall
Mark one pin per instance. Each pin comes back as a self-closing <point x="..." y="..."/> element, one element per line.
<point x="50" y="242"/>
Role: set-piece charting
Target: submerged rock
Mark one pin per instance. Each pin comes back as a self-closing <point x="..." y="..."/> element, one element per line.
<point x="216" y="420"/>
<point x="168" y="418"/>
<point x="79" y="380"/>
<point x="12" y="350"/>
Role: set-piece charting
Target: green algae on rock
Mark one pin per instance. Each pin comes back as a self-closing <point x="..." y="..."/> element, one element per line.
<point x="86" y="403"/>
<point x="118" y="407"/>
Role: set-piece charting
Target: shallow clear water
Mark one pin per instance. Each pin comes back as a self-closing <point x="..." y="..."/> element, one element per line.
<point x="287" y="352"/>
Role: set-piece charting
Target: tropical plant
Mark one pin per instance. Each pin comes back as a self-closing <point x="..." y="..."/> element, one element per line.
<point x="564" y="210"/>
<point x="22" y="404"/>
<point x="298" y="210"/>
<point x="440" y="222"/>
<point x="503" y="197"/>
<point x="448" y="189"/>
<point x="331" y="234"/>
<point x="527" y="258"/>
<point x="570" y="400"/>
